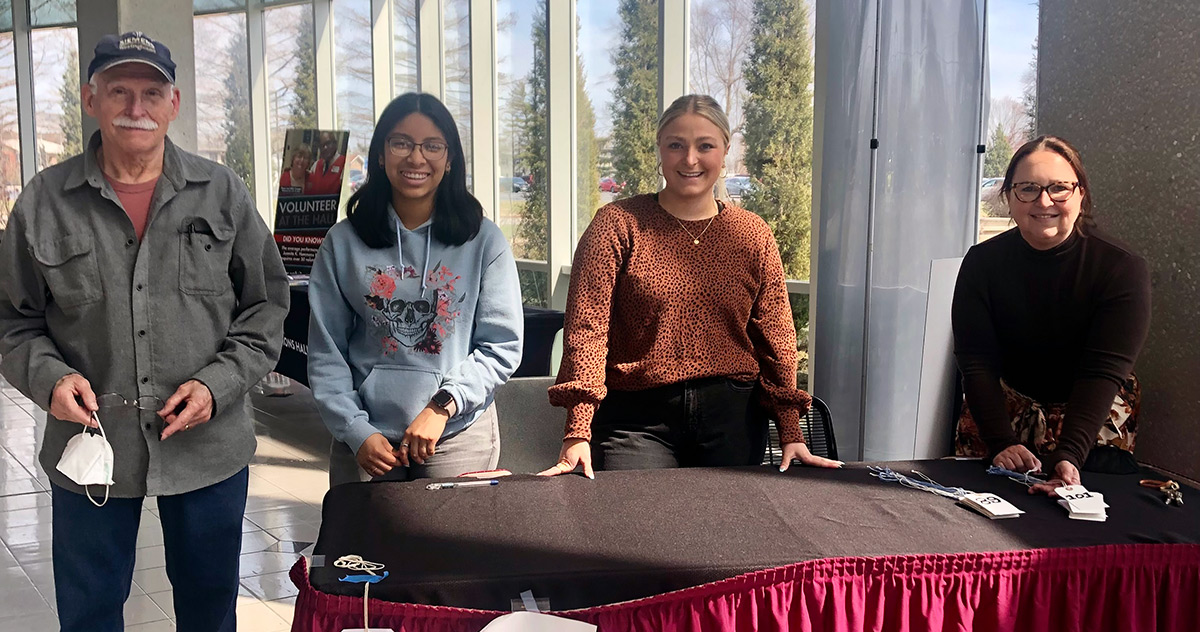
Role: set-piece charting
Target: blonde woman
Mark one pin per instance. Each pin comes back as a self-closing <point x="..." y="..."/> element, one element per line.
<point x="294" y="180"/>
<point x="679" y="340"/>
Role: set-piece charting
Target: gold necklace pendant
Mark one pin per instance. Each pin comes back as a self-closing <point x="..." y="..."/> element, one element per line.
<point x="696" y="238"/>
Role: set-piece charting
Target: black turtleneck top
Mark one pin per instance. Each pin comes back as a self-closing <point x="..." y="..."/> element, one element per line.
<point x="1063" y="325"/>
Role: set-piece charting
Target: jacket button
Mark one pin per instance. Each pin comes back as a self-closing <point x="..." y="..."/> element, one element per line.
<point x="145" y="380"/>
<point x="128" y="242"/>
<point x="139" y="287"/>
<point x="147" y="426"/>
<point x="141" y="333"/>
<point x="208" y="246"/>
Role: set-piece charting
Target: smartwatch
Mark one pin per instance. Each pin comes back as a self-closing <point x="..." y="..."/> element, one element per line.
<point x="442" y="399"/>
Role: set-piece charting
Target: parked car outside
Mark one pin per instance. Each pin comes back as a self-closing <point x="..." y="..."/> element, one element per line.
<point x="516" y="185"/>
<point x="608" y="185"/>
<point x="355" y="179"/>
<point x="738" y="185"/>
<point x="990" y="201"/>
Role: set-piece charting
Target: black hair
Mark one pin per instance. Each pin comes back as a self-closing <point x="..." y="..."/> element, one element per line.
<point x="457" y="215"/>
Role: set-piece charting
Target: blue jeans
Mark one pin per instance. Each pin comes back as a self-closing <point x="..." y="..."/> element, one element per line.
<point x="94" y="547"/>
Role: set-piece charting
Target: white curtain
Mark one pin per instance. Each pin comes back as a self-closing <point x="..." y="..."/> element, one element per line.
<point x="915" y="195"/>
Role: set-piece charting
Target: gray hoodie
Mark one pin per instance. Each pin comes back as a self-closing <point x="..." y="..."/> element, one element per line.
<point x="391" y="326"/>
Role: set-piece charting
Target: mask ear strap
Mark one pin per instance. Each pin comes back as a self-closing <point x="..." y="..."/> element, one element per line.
<point x="86" y="489"/>
<point x="96" y="418"/>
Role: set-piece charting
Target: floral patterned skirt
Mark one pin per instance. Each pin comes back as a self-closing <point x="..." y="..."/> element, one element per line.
<point x="1038" y="425"/>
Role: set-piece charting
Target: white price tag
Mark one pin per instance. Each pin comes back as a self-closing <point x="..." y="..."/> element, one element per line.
<point x="990" y="505"/>
<point x="1081" y="500"/>
<point x="1082" y="504"/>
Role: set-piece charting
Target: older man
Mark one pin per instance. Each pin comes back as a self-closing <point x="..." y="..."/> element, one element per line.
<point x="138" y="283"/>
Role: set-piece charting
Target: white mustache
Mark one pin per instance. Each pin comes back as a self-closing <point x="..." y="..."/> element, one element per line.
<point x="125" y="121"/>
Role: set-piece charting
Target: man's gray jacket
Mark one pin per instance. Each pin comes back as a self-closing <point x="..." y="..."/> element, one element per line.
<point x="203" y="296"/>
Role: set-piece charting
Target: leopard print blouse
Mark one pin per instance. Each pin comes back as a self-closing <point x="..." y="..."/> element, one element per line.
<point x="648" y="307"/>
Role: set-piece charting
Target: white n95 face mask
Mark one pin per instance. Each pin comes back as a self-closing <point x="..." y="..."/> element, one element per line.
<point x="88" y="460"/>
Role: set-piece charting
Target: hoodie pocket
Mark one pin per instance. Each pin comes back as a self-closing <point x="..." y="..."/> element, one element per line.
<point x="393" y="395"/>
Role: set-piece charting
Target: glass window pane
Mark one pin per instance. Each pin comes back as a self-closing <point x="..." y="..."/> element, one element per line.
<point x="522" y="76"/>
<point x="291" y="81"/>
<point x="535" y="287"/>
<point x="635" y="98"/>
<point x="456" y="16"/>
<point x="404" y="45"/>
<point x="596" y="84"/>
<point x="223" y="129"/>
<point x="757" y="80"/>
<point x="720" y="46"/>
<point x="208" y="6"/>
<point x="10" y="140"/>
<point x="800" y="318"/>
<point x="355" y="104"/>
<point x="6" y="21"/>
<point x="51" y="12"/>
<point x="1012" y="113"/>
<point x="58" y="118"/>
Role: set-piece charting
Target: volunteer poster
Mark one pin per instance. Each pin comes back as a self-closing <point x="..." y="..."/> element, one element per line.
<point x="310" y="186"/>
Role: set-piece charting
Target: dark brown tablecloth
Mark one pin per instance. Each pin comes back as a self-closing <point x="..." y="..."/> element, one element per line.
<point x="628" y="535"/>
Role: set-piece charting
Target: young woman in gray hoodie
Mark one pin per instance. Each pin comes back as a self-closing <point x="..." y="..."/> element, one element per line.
<point x="416" y="310"/>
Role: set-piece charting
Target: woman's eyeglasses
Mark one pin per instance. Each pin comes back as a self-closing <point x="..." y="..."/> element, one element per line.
<point x="1032" y="191"/>
<point x="403" y="147"/>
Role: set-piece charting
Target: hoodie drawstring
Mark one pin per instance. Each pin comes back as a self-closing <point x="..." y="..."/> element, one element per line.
<point x="428" y="247"/>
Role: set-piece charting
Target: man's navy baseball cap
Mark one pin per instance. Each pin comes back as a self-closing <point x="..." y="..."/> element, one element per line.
<point x="134" y="46"/>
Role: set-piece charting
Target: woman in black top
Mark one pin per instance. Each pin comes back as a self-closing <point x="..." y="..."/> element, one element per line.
<point x="1048" y="320"/>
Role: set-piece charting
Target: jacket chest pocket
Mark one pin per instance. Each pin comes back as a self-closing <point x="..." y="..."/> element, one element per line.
<point x="71" y="269"/>
<point x="205" y="248"/>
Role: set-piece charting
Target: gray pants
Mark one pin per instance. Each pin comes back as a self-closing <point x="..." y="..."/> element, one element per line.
<point x="470" y="450"/>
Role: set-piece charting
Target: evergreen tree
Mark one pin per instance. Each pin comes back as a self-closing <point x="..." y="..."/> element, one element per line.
<point x="1029" y="94"/>
<point x="239" y="148"/>
<point x="303" y="111"/>
<point x="999" y="152"/>
<point x="531" y="114"/>
<point x="513" y="129"/>
<point x="72" y="114"/>
<point x="635" y="98"/>
<point x="779" y="128"/>
<point x="532" y="232"/>
<point x="587" y="153"/>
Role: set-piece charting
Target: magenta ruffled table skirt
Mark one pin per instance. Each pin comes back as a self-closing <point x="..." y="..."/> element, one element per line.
<point x="1126" y="588"/>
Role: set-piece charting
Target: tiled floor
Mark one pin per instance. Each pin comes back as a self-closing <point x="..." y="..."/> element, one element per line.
<point x="288" y="479"/>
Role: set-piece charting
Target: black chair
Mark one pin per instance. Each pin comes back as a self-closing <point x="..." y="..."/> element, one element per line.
<point x="817" y="427"/>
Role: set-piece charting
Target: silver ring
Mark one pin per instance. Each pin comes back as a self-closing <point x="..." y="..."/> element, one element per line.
<point x="404" y="445"/>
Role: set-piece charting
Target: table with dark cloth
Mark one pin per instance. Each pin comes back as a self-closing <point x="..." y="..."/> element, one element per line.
<point x="632" y="535"/>
<point x="540" y="327"/>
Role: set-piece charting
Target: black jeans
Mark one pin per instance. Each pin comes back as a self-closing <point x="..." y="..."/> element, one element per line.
<point x="710" y="422"/>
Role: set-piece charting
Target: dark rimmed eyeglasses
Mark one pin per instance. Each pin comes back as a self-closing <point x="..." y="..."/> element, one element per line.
<point x="1032" y="191"/>
<point x="403" y="147"/>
